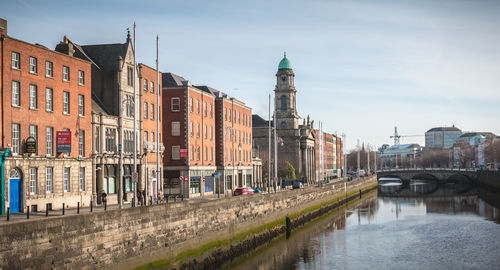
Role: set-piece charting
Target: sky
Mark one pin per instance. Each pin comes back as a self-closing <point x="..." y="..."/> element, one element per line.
<point x="361" y="68"/>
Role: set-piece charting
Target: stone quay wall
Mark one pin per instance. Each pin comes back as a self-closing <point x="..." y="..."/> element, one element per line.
<point x="134" y="236"/>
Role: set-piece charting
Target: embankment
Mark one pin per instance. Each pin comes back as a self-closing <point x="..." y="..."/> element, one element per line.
<point x="131" y="237"/>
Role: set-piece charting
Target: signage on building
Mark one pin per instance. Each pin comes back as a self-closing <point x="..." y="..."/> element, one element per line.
<point x="63" y="141"/>
<point x="135" y="176"/>
<point x="184" y="152"/>
<point x="30" y="145"/>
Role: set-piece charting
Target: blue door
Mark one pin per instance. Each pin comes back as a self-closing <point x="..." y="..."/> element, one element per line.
<point x="15" y="192"/>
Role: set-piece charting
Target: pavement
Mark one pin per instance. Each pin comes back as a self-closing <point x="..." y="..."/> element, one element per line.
<point x="23" y="217"/>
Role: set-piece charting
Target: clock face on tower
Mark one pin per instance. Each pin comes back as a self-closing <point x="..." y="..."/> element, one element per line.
<point x="283" y="78"/>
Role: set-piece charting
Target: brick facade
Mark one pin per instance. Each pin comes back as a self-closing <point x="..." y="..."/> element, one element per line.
<point x="35" y="81"/>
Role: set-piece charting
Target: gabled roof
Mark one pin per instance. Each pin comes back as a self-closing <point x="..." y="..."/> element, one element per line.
<point x="63" y="47"/>
<point x="258" y="121"/>
<point x="106" y="55"/>
<point x="172" y="80"/>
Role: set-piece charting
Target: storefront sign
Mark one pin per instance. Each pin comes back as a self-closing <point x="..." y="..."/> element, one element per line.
<point x="184" y="153"/>
<point x="63" y="141"/>
<point x="30" y="145"/>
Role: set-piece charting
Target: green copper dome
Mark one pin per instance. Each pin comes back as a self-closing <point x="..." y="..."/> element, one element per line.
<point x="285" y="63"/>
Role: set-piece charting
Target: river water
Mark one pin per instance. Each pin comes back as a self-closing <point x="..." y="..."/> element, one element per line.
<point x="418" y="226"/>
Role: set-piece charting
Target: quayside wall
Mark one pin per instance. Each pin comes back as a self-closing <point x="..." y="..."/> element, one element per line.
<point x="130" y="237"/>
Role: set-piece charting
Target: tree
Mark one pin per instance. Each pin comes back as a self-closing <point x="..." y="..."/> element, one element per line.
<point x="287" y="171"/>
<point x="463" y="154"/>
<point x="492" y="152"/>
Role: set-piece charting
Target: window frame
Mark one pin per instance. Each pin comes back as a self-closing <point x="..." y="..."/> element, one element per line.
<point x="176" y="149"/>
<point x="49" y="143"/>
<point x="33" y="65"/>
<point x="81" y="105"/>
<point x="17" y="94"/>
<point x="175" y="127"/>
<point x="175" y="102"/>
<point x="66" y="74"/>
<point x="145" y="110"/>
<point x="81" y="77"/>
<point x="66" y="103"/>
<point x="16" y="140"/>
<point x="33" y="180"/>
<point x="49" y="103"/>
<point x="16" y="63"/>
<point x="66" y="179"/>
<point x="33" y="105"/>
<point x="81" y="143"/>
<point x="49" y="69"/>
<point x="49" y="181"/>
<point x="81" y="180"/>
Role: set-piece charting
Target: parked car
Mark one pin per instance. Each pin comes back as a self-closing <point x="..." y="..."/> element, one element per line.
<point x="242" y="191"/>
<point x="297" y="184"/>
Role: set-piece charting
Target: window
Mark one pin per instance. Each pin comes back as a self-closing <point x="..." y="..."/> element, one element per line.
<point x="145" y="85"/>
<point x="66" y="73"/>
<point x="191" y="104"/>
<point x="145" y="138"/>
<point x="205" y="109"/>
<point x="110" y="139"/>
<point x="229" y="112"/>
<point x="211" y="132"/>
<point x="97" y="139"/>
<point x="176" y="152"/>
<point x="205" y="131"/>
<point x="192" y="152"/>
<point x="128" y="141"/>
<point x="81" y="105"/>
<point x="225" y="114"/>
<point x="33" y="180"/>
<point x="129" y="106"/>
<point x="176" y="128"/>
<point x="34" y="134"/>
<point x="152" y="114"/>
<point x="66" y="177"/>
<point x="130" y="78"/>
<point x="283" y="102"/>
<point x="175" y="104"/>
<point x="191" y="129"/>
<point x="152" y="87"/>
<point x="81" y="77"/>
<point x="152" y="136"/>
<point x="206" y="154"/>
<point x="66" y="102"/>
<point x="49" y="141"/>
<point x="81" y="143"/>
<point x="239" y="118"/>
<point x="198" y="153"/>
<point x="49" y="97"/>
<point x="145" y="110"/>
<point x="49" y="69"/>
<point x="197" y="107"/>
<point x="197" y="130"/>
<point x="82" y="178"/>
<point x="49" y="179"/>
<point x="16" y="60"/>
<point x="33" y="65"/>
<point x="16" y="93"/>
<point x="33" y="96"/>
<point x="210" y="110"/>
<point x="16" y="135"/>
<point x="211" y="153"/>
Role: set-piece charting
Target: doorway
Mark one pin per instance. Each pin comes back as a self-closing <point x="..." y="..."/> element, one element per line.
<point x="15" y="194"/>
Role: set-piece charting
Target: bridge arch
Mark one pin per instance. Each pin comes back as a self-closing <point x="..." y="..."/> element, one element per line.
<point x="424" y="176"/>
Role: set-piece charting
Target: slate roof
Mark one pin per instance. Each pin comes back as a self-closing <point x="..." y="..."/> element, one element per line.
<point x="207" y="89"/>
<point x="444" y="129"/>
<point x="106" y="55"/>
<point x="169" y="79"/>
<point x="258" y="121"/>
<point x="98" y="106"/>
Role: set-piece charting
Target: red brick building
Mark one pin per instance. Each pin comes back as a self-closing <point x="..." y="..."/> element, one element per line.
<point x="189" y="137"/>
<point x="148" y="89"/>
<point x="234" y="141"/>
<point x="44" y="92"/>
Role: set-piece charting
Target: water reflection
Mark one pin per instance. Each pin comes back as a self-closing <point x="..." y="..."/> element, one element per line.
<point x="393" y="232"/>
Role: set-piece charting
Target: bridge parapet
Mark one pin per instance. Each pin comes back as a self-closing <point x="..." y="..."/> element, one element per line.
<point x="440" y="174"/>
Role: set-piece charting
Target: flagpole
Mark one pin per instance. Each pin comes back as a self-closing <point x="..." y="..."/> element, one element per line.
<point x="135" y="123"/>
<point x="158" y="173"/>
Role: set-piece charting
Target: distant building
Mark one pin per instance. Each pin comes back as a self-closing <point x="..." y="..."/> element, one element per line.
<point x="393" y="156"/>
<point x="441" y="137"/>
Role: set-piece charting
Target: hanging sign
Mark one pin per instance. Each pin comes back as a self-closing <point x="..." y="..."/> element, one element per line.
<point x="30" y="145"/>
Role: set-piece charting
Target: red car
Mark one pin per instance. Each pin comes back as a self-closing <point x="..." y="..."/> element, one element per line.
<point x="242" y="191"/>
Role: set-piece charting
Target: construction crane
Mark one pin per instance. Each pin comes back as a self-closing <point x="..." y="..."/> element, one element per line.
<point x="397" y="137"/>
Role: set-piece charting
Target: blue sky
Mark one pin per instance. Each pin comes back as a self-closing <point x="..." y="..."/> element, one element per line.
<point x="361" y="68"/>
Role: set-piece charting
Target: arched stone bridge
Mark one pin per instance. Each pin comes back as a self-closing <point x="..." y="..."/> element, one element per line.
<point x="441" y="174"/>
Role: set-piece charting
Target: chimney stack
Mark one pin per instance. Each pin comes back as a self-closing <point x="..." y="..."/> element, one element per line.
<point x="3" y="26"/>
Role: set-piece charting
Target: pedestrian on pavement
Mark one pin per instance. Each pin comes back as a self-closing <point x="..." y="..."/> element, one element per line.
<point x="139" y="197"/>
<point x="104" y="196"/>
<point x="144" y="196"/>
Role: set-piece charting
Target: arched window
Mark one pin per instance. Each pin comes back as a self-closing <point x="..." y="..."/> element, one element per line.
<point x="283" y="102"/>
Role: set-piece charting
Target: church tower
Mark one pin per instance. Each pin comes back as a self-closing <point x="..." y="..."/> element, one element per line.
<point x="284" y="97"/>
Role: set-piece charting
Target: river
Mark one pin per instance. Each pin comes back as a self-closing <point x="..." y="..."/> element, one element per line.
<point x="418" y="226"/>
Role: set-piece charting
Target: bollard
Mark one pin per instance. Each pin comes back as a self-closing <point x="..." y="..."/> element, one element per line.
<point x="91" y="206"/>
<point x="28" y="212"/>
<point x="360" y="193"/>
<point x="63" y="209"/>
<point x="46" y="209"/>
<point x="78" y="208"/>
<point x="8" y="213"/>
